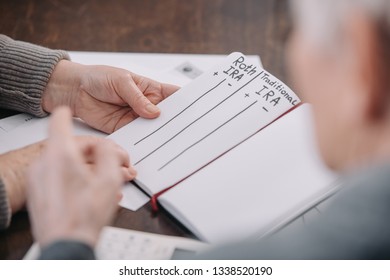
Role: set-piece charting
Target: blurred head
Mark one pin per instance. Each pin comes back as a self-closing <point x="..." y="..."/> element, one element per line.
<point x="339" y="58"/>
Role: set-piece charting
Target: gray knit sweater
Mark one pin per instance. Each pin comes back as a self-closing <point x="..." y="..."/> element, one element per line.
<point x="25" y="70"/>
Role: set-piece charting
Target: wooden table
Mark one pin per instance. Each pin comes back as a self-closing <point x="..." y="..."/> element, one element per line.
<point x="256" y="27"/>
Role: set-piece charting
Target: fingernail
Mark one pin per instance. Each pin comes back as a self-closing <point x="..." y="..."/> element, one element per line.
<point x="152" y="108"/>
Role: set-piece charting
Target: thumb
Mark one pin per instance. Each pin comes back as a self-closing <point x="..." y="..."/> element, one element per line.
<point x="132" y="95"/>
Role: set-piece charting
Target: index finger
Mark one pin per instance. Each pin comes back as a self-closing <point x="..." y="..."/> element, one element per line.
<point x="60" y="130"/>
<point x="168" y="89"/>
<point x="108" y="165"/>
<point x="164" y="89"/>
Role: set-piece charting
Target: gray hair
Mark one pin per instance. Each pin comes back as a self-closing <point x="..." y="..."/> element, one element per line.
<point x="320" y="19"/>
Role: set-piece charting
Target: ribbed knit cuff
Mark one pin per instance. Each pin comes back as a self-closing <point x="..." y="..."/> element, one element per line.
<point x="25" y="70"/>
<point x="5" y="209"/>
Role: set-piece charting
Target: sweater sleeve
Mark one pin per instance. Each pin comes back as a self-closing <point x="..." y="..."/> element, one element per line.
<point x="25" y="70"/>
<point x="5" y="210"/>
<point x="67" y="250"/>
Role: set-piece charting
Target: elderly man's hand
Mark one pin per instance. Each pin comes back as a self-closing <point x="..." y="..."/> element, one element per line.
<point x="73" y="192"/>
<point x="106" y="98"/>
<point x="14" y="164"/>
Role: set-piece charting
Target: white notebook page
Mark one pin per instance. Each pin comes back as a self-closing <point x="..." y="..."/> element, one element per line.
<point x="202" y="121"/>
<point x="266" y="181"/>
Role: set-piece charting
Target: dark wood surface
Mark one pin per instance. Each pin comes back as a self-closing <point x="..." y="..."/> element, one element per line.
<point x="256" y="27"/>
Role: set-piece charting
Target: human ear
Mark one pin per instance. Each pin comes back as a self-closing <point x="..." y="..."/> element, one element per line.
<point x="366" y="66"/>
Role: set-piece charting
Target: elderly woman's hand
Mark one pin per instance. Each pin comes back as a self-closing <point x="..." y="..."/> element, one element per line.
<point x="106" y="98"/>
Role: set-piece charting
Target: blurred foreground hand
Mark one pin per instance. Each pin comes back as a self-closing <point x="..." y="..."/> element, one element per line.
<point x="73" y="192"/>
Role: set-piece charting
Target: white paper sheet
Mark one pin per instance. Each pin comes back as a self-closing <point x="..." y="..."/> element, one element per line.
<point x="161" y="67"/>
<point x="202" y="121"/>
<point x="10" y="123"/>
<point x="35" y="130"/>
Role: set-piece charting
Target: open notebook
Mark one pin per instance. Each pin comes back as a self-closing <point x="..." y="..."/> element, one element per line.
<point x="232" y="154"/>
